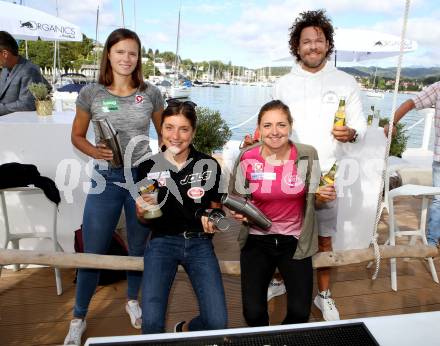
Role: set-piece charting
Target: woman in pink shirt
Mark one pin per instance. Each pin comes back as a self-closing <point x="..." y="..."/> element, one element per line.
<point x="280" y="178"/>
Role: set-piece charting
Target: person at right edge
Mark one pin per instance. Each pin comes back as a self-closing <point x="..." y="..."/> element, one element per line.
<point x="428" y="97"/>
<point x="313" y="89"/>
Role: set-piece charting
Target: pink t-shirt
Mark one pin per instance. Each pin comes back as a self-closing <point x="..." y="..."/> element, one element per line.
<point x="277" y="191"/>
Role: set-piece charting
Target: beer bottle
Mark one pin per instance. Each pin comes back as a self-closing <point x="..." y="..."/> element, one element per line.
<point x="340" y="113"/>
<point x="329" y="178"/>
<point x="370" y="116"/>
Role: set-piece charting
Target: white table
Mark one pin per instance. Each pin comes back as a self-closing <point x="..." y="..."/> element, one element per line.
<point x="402" y="330"/>
<point x="357" y="208"/>
<point x="45" y="142"/>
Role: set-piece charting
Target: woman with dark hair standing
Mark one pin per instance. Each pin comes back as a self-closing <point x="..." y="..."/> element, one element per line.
<point x="129" y="104"/>
<point x="281" y="178"/>
<point x="188" y="183"/>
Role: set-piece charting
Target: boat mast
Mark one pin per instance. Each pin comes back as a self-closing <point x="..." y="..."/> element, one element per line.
<point x="122" y="13"/>
<point x="176" y="62"/>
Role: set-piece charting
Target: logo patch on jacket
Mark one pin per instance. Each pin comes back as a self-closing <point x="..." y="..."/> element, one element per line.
<point x="195" y="192"/>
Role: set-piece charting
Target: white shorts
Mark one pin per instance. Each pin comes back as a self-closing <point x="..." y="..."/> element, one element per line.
<point x="327" y="218"/>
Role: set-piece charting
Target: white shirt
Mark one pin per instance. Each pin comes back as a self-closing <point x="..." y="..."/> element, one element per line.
<point x="313" y="99"/>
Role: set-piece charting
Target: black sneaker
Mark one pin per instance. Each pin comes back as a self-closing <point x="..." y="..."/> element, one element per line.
<point x="178" y="328"/>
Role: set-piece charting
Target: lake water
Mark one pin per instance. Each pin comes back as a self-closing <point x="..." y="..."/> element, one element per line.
<point x="238" y="105"/>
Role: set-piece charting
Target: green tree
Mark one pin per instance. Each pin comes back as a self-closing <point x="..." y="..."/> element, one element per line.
<point x="381" y="83"/>
<point x="212" y="131"/>
<point x="168" y="57"/>
<point x="150" y="54"/>
<point x="147" y="69"/>
<point x="41" y="53"/>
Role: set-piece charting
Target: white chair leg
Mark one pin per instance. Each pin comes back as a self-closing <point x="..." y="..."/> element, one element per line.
<point x="392" y="240"/>
<point x="58" y="281"/>
<point x="15" y="246"/>
<point x="432" y="268"/>
<point x="56" y="247"/>
<point x="423" y="217"/>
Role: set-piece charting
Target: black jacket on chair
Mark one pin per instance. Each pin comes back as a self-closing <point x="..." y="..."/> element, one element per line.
<point x="15" y="174"/>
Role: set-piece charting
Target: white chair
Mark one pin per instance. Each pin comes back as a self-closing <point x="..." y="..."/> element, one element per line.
<point x="410" y="190"/>
<point x="14" y="238"/>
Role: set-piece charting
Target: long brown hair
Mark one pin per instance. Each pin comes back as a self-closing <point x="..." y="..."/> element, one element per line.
<point x="105" y="70"/>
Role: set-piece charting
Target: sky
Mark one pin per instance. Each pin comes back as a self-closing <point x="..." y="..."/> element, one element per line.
<point x="252" y="33"/>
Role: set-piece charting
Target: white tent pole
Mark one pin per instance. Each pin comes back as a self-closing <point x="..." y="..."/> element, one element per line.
<point x="134" y="12"/>
<point x="96" y="43"/>
<point x="122" y="13"/>
<point x="54" y="61"/>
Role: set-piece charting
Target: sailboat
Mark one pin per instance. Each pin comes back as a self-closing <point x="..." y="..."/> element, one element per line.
<point x="374" y="92"/>
<point x="176" y="90"/>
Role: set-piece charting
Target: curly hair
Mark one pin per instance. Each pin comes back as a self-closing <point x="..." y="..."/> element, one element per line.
<point x="306" y="19"/>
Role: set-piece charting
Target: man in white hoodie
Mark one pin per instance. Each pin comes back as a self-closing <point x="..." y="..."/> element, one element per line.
<point x="312" y="91"/>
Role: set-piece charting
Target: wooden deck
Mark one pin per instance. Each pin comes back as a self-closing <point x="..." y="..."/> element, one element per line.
<point x="32" y="314"/>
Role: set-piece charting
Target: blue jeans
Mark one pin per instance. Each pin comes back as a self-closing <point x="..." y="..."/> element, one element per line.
<point x="433" y="234"/>
<point x="101" y="216"/>
<point x="162" y="256"/>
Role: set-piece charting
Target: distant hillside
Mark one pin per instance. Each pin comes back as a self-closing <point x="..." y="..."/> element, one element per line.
<point x="406" y="72"/>
<point x="354" y="71"/>
<point x="390" y="72"/>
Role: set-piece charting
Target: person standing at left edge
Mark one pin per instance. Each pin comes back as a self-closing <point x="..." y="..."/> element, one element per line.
<point x="122" y="97"/>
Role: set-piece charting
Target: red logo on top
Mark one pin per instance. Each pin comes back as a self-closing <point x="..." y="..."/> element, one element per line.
<point x="139" y="99"/>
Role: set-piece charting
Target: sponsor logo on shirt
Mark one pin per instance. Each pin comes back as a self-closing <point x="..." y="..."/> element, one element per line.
<point x="263" y="176"/>
<point x="293" y="180"/>
<point x="195" y="192"/>
<point x="139" y="99"/>
<point x="330" y="97"/>
<point x="196" y="177"/>
<point x="158" y="175"/>
<point x="258" y="167"/>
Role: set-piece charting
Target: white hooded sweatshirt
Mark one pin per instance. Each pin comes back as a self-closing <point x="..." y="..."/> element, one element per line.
<point x="313" y="100"/>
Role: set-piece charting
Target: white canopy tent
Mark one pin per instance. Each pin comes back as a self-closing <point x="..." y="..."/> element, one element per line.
<point x="25" y="23"/>
<point x="354" y="45"/>
<point x="358" y="45"/>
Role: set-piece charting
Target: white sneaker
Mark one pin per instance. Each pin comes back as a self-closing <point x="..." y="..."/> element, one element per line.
<point x="276" y="288"/>
<point x="326" y="304"/>
<point x="76" y="330"/>
<point x="134" y="311"/>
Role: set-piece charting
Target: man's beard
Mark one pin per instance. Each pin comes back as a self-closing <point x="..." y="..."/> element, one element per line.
<point x="314" y="65"/>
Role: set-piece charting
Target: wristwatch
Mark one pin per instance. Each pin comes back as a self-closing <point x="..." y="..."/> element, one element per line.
<point x="355" y="137"/>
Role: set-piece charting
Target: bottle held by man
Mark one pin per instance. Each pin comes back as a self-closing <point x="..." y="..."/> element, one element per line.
<point x="329" y="178"/>
<point x="376" y="118"/>
<point x="370" y="116"/>
<point x="340" y="113"/>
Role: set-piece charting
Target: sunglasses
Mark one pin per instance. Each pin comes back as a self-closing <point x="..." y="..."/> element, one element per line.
<point x="176" y="102"/>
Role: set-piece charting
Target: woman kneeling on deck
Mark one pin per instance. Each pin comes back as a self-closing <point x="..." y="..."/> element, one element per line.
<point x="188" y="183"/>
<point x="281" y="179"/>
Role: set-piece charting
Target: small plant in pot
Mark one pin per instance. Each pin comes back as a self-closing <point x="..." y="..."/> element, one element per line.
<point x="43" y="101"/>
<point x="212" y="131"/>
<point x="399" y="141"/>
